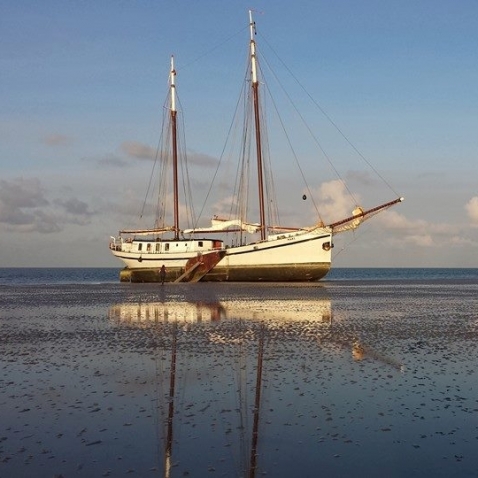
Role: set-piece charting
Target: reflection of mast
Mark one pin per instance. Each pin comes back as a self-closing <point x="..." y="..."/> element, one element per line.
<point x="172" y="383"/>
<point x="257" y="403"/>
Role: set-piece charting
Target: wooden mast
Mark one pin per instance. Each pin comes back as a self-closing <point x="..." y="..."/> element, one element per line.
<point x="255" y="94"/>
<point x="173" y="114"/>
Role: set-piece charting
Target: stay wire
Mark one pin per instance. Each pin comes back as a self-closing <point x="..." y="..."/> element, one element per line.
<point x="332" y="122"/>
<point x="306" y="125"/>
<point x="213" y="48"/>
<point x="221" y="156"/>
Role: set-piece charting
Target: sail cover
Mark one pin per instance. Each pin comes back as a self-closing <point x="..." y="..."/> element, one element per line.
<point x="219" y="225"/>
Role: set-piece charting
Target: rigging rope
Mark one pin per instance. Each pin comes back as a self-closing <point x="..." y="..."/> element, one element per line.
<point x="294" y="154"/>
<point x="314" y="137"/>
<point x="221" y="156"/>
<point x="155" y="163"/>
<point x="187" y="191"/>
<point x="330" y="119"/>
<point x="214" y="48"/>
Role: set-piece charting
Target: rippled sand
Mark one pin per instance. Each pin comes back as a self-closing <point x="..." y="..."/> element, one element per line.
<point x="356" y="379"/>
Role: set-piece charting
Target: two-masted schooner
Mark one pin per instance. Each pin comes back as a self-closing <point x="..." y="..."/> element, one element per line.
<point x="266" y="251"/>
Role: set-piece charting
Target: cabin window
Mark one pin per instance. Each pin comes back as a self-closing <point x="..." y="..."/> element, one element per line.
<point x="140" y="247"/>
<point x="200" y="244"/>
<point x="148" y="247"/>
<point x="158" y="247"/>
<point x="166" y="246"/>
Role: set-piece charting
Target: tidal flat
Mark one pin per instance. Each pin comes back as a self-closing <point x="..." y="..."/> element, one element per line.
<point x="344" y="378"/>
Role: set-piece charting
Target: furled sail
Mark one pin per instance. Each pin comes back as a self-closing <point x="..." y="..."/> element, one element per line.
<point x="147" y="232"/>
<point x="221" y="225"/>
<point x="359" y="215"/>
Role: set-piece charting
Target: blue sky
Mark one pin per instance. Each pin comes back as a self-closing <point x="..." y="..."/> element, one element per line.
<point x="83" y="83"/>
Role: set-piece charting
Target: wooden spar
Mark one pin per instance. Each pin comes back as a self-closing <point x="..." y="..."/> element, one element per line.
<point x="365" y="213"/>
<point x="255" y="94"/>
<point x="146" y="232"/>
<point x="173" y="113"/>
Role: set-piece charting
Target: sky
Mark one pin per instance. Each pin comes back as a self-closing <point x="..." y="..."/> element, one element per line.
<point x="82" y="86"/>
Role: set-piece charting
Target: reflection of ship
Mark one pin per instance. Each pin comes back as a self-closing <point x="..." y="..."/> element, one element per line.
<point x="251" y="466"/>
<point x="272" y="314"/>
<point x="174" y="312"/>
<point x="271" y="311"/>
<point x="216" y="368"/>
<point x="242" y="328"/>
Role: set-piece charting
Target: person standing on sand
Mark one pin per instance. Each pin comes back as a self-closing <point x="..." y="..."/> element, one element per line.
<point x="162" y="274"/>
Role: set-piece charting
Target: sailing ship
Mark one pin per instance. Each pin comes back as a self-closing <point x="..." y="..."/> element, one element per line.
<point x="266" y="251"/>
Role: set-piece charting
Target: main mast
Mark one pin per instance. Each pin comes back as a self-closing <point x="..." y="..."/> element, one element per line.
<point x="255" y="94"/>
<point x="173" y="113"/>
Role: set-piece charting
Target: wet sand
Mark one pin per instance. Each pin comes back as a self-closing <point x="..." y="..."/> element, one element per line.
<point x="356" y="379"/>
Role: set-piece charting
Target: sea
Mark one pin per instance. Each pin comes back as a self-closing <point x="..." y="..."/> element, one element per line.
<point x="78" y="275"/>
<point x="369" y="372"/>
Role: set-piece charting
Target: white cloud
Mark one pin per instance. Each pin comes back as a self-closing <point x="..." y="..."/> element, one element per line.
<point x="76" y="211"/>
<point x="201" y="159"/>
<point x="138" y="150"/>
<point x="422" y="240"/>
<point x="223" y="207"/>
<point x="25" y="208"/>
<point x="21" y="201"/>
<point x="423" y="233"/>
<point x="57" y="140"/>
<point x="472" y="209"/>
<point x="334" y="201"/>
<point x="111" y="161"/>
<point x="361" y="177"/>
<point x="394" y="220"/>
<point x="462" y="241"/>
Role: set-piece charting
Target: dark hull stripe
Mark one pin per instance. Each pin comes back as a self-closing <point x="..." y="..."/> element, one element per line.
<point x="284" y="273"/>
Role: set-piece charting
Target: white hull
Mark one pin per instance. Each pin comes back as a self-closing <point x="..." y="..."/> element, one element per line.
<point x="302" y="256"/>
<point x="297" y="257"/>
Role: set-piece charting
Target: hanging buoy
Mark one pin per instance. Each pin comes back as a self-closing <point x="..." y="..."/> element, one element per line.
<point x="304" y="197"/>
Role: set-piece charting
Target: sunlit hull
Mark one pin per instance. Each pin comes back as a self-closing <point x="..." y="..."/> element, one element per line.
<point x="296" y="258"/>
<point x="304" y="256"/>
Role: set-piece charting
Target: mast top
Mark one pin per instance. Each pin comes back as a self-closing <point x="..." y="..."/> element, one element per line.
<point x="252" y="25"/>
<point x="252" y="29"/>
<point x="172" y="83"/>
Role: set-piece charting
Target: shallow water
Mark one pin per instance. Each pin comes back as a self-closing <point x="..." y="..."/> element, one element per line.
<point x="364" y="378"/>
